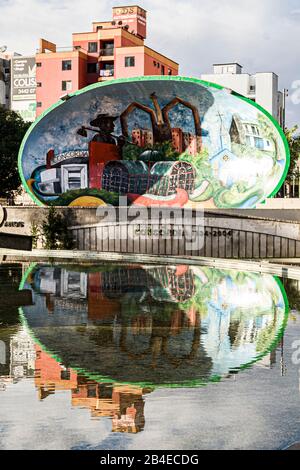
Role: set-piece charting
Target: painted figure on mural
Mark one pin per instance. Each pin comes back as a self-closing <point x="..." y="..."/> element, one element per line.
<point x="105" y="126"/>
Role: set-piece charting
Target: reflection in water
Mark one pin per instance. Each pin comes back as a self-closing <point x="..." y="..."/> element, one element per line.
<point x="111" y="334"/>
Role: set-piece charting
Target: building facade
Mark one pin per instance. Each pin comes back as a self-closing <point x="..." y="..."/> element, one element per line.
<point x="23" y="86"/>
<point x="261" y="87"/>
<point x="5" y="77"/>
<point x="113" y="49"/>
<point x="18" y="84"/>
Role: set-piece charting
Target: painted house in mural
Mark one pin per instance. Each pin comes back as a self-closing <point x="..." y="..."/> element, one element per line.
<point x="88" y="169"/>
<point x="248" y="133"/>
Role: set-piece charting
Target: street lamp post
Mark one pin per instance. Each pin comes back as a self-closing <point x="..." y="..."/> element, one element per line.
<point x="285" y="95"/>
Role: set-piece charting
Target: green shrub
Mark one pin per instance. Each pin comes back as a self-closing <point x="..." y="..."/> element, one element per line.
<point x="55" y="231"/>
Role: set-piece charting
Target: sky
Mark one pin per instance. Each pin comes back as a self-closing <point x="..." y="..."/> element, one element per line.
<point x="262" y="35"/>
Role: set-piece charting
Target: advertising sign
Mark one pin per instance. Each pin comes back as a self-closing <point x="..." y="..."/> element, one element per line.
<point x="23" y="78"/>
<point x="159" y="141"/>
<point x="26" y="109"/>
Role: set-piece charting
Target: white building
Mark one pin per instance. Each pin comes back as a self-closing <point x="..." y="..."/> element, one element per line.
<point x="23" y="86"/>
<point x="261" y="87"/>
<point x="5" y="77"/>
<point x="18" y="83"/>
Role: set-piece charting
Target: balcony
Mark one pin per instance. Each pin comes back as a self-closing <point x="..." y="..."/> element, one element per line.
<point x="108" y="52"/>
<point x="63" y="49"/>
<point x="106" y="74"/>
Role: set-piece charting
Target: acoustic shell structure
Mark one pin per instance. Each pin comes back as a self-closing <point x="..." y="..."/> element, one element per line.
<point x="167" y="141"/>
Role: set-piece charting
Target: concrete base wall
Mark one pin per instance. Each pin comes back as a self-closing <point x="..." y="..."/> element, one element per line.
<point x="225" y="233"/>
<point x="15" y="242"/>
<point x="281" y="204"/>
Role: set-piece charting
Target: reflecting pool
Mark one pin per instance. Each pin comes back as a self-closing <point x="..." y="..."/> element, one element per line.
<point x="153" y="357"/>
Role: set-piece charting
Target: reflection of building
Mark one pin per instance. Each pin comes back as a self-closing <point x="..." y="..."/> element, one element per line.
<point x="113" y="49"/>
<point x="20" y="359"/>
<point x="123" y="403"/>
<point x="22" y="355"/>
<point x="260" y="87"/>
<point x="51" y="376"/>
<point x="99" y="294"/>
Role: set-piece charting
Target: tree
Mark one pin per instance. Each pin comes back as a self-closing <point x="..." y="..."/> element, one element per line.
<point x="55" y="231"/>
<point x="293" y="138"/>
<point x="12" y="131"/>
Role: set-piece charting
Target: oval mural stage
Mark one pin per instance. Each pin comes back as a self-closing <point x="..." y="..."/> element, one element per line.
<point x="169" y="141"/>
<point x="154" y="325"/>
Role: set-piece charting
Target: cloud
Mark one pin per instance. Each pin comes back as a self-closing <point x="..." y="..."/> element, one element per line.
<point x="262" y="36"/>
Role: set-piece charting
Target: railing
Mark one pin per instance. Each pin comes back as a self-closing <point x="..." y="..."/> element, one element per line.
<point x="107" y="52"/>
<point x="63" y="49"/>
<point x="107" y="73"/>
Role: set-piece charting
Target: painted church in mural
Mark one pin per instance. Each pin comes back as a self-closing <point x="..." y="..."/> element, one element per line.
<point x="167" y="142"/>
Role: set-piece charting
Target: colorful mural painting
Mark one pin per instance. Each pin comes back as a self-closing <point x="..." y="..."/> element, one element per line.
<point x="169" y="141"/>
<point x="154" y="325"/>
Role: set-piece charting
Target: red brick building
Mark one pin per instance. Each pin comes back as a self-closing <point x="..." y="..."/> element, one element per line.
<point x="113" y="49"/>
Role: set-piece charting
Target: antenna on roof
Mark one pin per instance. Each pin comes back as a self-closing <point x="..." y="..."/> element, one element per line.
<point x="3" y="49"/>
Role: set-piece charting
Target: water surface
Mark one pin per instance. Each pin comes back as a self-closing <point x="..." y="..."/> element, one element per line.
<point x="152" y="357"/>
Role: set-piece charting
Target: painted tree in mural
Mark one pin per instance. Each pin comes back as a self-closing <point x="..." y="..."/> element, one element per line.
<point x="160" y="121"/>
<point x="12" y="131"/>
<point x="268" y="132"/>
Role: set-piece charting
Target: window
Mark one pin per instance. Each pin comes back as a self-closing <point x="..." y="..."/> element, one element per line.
<point x="65" y="374"/>
<point x="130" y="61"/>
<point x="38" y="84"/>
<point x="66" y="65"/>
<point x="259" y="143"/>
<point x="74" y="177"/>
<point x="39" y="64"/>
<point x="93" y="47"/>
<point x="91" y="391"/>
<point x="38" y="104"/>
<point x="66" y="85"/>
<point x="169" y="72"/>
<point x="252" y="87"/>
<point x="92" y="68"/>
<point x="162" y="69"/>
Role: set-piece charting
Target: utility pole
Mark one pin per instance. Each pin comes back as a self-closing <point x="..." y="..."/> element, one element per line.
<point x="285" y="95"/>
